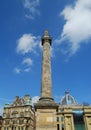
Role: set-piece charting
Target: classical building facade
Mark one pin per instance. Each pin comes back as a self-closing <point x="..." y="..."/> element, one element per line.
<point x="73" y="116"/>
<point x="19" y="115"/>
<point x="47" y="114"/>
<point x="1" y="120"/>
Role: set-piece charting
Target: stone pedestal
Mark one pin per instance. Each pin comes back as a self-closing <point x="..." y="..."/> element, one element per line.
<point x="46" y="115"/>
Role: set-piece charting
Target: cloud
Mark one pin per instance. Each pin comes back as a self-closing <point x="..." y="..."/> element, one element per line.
<point x="77" y="27"/>
<point x="27" y="69"/>
<point x="27" y="43"/>
<point x="31" y="7"/>
<point x="23" y="69"/>
<point x="35" y="99"/>
<point x="27" y="61"/>
<point x="25" y="66"/>
<point x="17" y="70"/>
<point x="52" y="52"/>
<point x="1" y="110"/>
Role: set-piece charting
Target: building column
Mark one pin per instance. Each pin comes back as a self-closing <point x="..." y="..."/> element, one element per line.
<point x="16" y="127"/>
<point x="24" y="127"/>
<point x="68" y="122"/>
<point x="87" y="119"/>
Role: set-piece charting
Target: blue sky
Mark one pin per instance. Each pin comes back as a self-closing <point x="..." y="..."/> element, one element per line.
<point x="22" y="24"/>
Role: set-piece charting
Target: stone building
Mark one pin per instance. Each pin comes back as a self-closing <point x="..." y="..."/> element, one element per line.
<point x="1" y="120"/>
<point x="73" y="116"/>
<point x="19" y="115"/>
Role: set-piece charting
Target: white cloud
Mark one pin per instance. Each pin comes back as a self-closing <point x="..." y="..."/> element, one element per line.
<point x="27" y="61"/>
<point x="17" y="70"/>
<point x="1" y="110"/>
<point x="25" y="66"/>
<point x="35" y="99"/>
<point x="27" y="43"/>
<point x="27" y="70"/>
<point x="31" y="6"/>
<point x="77" y="29"/>
<point x="52" y="52"/>
<point x="23" y="69"/>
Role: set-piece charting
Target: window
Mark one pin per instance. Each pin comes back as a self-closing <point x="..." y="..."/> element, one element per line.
<point x="7" y="122"/>
<point x="18" y="127"/>
<point x="62" y="126"/>
<point x="21" y="121"/>
<point x="57" y="119"/>
<point x="26" y="127"/>
<point x="13" y="128"/>
<point x="22" y="114"/>
<point x="5" y="128"/>
<point x="14" y="121"/>
<point x="79" y="122"/>
<point x="8" y="115"/>
<point x="58" y="128"/>
<point x="62" y="118"/>
<point x="60" y="122"/>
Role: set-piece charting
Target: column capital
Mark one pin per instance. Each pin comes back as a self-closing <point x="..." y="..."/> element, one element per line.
<point x="46" y="37"/>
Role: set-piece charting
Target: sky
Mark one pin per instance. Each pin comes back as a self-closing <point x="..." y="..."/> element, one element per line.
<point x="22" y="24"/>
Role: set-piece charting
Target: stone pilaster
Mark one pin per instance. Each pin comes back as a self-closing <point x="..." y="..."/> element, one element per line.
<point x="87" y="117"/>
<point x="68" y="119"/>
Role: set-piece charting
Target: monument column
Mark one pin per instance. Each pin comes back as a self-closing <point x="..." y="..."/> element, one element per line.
<point x="46" y="85"/>
<point x="46" y="108"/>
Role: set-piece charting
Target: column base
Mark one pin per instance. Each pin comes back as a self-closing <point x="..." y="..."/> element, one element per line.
<point x="46" y="102"/>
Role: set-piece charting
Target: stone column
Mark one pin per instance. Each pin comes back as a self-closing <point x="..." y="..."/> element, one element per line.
<point x="68" y="120"/>
<point x="46" y="107"/>
<point x="88" y="122"/>
<point x="87" y="117"/>
<point x="16" y="127"/>
<point x="46" y="86"/>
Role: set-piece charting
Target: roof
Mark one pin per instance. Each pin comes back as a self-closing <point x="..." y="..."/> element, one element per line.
<point x="68" y="99"/>
<point x="26" y="100"/>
